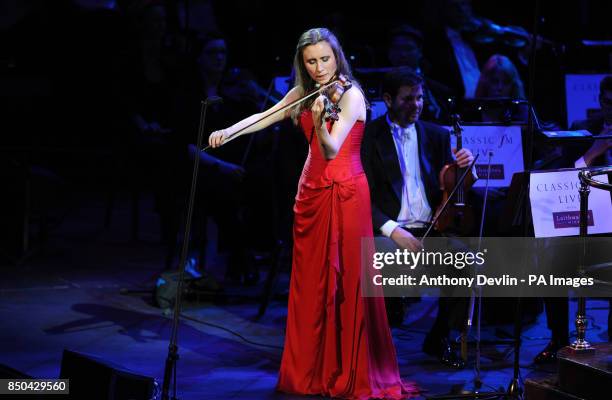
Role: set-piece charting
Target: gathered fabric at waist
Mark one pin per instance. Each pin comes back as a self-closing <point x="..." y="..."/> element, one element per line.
<point x="338" y="169"/>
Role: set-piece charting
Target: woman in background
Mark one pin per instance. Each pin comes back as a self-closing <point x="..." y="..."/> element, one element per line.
<point x="500" y="80"/>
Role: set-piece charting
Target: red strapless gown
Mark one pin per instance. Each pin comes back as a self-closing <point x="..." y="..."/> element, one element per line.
<point x="337" y="343"/>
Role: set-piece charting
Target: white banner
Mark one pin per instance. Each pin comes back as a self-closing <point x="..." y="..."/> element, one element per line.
<point x="555" y="204"/>
<point x="503" y="142"/>
<point x="581" y="94"/>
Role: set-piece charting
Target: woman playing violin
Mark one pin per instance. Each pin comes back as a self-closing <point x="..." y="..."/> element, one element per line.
<point x="337" y="342"/>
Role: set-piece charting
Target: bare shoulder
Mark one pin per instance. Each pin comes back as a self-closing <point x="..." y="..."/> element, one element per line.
<point x="353" y="95"/>
<point x="354" y="99"/>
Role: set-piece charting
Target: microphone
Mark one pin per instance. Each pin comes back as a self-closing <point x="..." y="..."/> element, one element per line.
<point x="213" y="100"/>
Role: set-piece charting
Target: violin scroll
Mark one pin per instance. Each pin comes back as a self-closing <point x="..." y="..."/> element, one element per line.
<point x="456" y="122"/>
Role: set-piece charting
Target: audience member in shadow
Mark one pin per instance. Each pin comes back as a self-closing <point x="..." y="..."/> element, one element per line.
<point x="498" y="85"/>
<point x="153" y="87"/>
<point x="221" y="185"/>
<point x="501" y="85"/>
<point x="405" y="49"/>
<point x="593" y="153"/>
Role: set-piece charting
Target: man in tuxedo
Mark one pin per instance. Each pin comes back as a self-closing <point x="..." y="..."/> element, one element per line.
<point x="402" y="157"/>
<point x="594" y="153"/>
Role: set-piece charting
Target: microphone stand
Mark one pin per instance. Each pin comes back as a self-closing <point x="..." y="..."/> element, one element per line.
<point x="515" y="389"/>
<point x="477" y="381"/>
<point x="476" y="293"/>
<point x="171" y="359"/>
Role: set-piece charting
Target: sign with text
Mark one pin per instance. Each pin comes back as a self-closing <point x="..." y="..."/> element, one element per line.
<point x="581" y="94"/>
<point x="504" y="144"/>
<point x="555" y="204"/>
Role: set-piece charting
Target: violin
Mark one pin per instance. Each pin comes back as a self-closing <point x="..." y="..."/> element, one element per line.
<point x="485" y="31"/>
<point x="333" y="94"/>
<point x="333" y="91"/>
<point x="458" y="216"/>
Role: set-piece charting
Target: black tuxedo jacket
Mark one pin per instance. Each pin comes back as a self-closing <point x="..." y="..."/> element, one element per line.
<point x="381" y="165"/>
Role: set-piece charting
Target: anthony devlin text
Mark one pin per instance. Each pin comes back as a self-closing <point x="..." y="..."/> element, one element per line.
<point x="444" y="280"/>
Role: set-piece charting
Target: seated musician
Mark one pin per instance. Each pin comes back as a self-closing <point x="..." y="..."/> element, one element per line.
<point x="402" y="157"/>
<point x="596" y="153"/>
<point x="499" y="79"/>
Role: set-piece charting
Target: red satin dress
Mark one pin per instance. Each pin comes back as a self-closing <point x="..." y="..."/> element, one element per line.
<point x="337" y="342"/>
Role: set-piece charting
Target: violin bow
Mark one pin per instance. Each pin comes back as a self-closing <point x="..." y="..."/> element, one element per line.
<point x="286" y="107"/>
<point x="264" y="103"/>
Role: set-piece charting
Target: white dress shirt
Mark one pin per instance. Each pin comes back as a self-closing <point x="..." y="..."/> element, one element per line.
<point x="580" y="163"/>
<point x="415" y="209"/>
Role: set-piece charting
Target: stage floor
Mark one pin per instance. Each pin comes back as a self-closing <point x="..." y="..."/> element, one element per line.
<point x="68" y="297"/>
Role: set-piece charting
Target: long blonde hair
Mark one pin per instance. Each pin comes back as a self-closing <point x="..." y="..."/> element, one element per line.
<point x="501" y="63"/>
<point x="303" y="81"/>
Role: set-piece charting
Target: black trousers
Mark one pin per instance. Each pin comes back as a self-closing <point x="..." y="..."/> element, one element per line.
<point x="452" y="311"/>
<point x="557" y="318"/>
